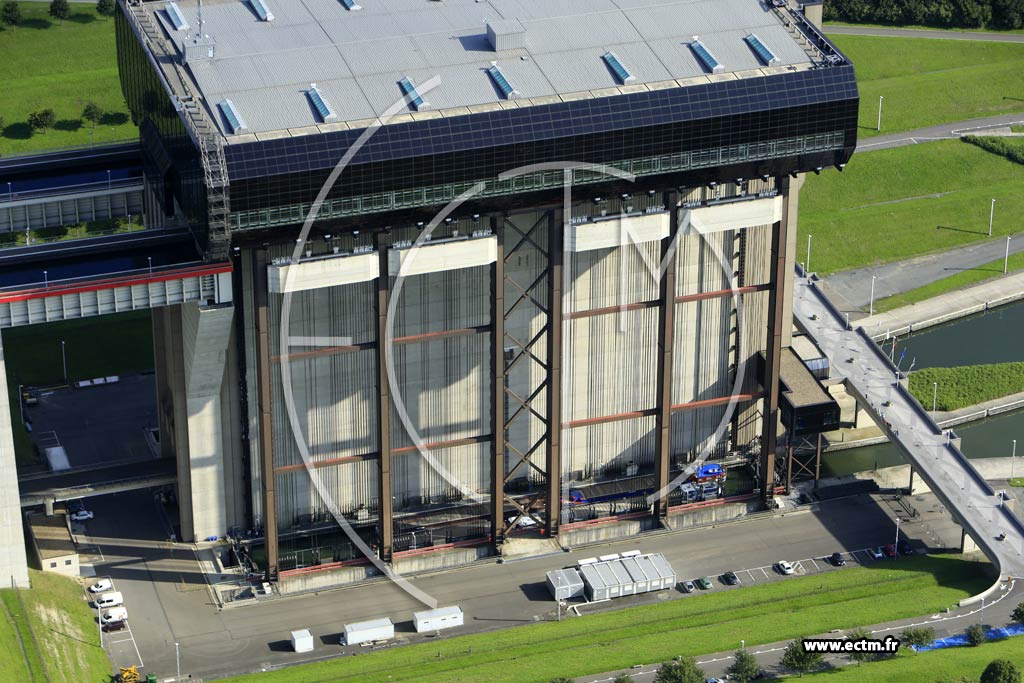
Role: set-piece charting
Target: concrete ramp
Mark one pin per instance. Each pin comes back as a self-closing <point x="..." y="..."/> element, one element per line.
<point x="878" y="385"/>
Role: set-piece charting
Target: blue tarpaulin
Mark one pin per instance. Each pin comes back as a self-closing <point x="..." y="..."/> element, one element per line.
<point x="961" y="640"/>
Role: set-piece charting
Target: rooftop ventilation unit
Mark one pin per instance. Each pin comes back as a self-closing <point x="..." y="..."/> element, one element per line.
<point x="320" y="104"/>
<point x="409" y="90"/>
<point x="176" y="17"/>
<point x="261" y="9"/>
<point x="506" y="34"/>
<point x="351" y="5"/>
<point x="761" y="50"/>
<point x="500" y="80"/>
<point x="620" y="71"/>
<point x="705" y="57"/>
<point x="234" y="119"/>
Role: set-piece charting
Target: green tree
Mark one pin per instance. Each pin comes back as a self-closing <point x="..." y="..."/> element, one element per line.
<point x="42" y="119"/>
<point x="918" y="637"/>
<point x="799" y="659"/>
<point x="105" y="7"/>
<point x="744" y="667"/>
<point x="858" y="634"/>
<point x="682" y="670"/>
<point x="1018" y="614"/>
<point x="59" y="10"/>
<point x="975" y="635"/>
<point x="1000" y="671"/>
<point x="92" y="113"/>
<point x="10" y="13"/>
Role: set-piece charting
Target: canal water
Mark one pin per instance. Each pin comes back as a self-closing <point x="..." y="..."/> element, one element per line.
<point x="993" y="337"/>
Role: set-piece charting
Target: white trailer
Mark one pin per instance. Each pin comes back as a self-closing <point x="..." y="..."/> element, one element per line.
<point x="368" y="631"/>
<point x="302" y="641"/>
<point x="437" y="619"/>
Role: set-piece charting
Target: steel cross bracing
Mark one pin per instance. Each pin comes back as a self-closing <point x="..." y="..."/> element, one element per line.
<point x="522" y="409"/>
<point x="202" y="131"/>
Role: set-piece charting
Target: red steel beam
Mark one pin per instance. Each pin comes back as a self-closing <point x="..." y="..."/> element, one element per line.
<point x="719" y="293"/>
<point x="58" y="289"/>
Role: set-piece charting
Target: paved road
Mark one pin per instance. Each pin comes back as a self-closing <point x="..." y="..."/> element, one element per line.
<point x="161" y="583"/>
<point x="994" y="614"/>
<point x="949" y="474"/>
<point x="924" y="33"/>
<point x="942" y="131"/>
<point x="850" y="290"/>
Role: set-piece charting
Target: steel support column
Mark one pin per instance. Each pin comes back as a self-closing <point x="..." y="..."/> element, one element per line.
<point x="384" y="484"/>
<point x="553" y="452"/>
<point x="666" y="341"/>
<point x="773" y="345"/>
<point x="498" y="385"/>
<point x="260" y="291"/>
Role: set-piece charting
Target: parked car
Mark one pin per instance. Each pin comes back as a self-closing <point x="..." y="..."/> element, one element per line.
<point x="876" y="553"/>
<point x="704" y="583"/>
<point x="687" y="586"/>
<point x="81" y="516"/>
<point x="785" y="567"/>
<point x="889" y="550"/>
<point x="730" y="578"/>
<point x="904" y="547"/>
<point x="837" y="560"/>
<point x="115" y="614"/>
<point x="116" y="625"/>
<point x="101" y="586"/>
<point x="114" y="599"/>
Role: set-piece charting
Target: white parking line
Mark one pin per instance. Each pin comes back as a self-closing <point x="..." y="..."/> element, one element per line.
<point x="750" y="574"/>
<point x="764" y="572"/>
<point x="816" y="567"/>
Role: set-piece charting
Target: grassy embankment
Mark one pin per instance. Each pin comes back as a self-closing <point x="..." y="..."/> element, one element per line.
<point x="966" y="385"/>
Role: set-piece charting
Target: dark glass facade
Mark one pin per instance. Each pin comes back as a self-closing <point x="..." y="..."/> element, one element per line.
<point x="480" y="146"/>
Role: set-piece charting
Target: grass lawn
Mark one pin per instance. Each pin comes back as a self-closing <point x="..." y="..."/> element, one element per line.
<point x="967" y="385"/>
<point x="939" y="665"/>
<point x="65" y="629"/>
<point x="927" y="81"/>
<point x="690" y="626"/>
<point x="896" y="203"/>
<point x="13" y="665"/>
<point x="46" y="65"/>
<point x="1017" y="129"/>
<point x="963" y="278"/>
<point x="1017" y="481"/>
<point x="924" y="28"/>
<point x="73" y="231"/>
<point x="96" y="347"/>
<point x="12" y="662"/>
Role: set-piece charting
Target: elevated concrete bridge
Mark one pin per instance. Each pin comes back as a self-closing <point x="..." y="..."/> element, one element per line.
<point x="875" y="380"/>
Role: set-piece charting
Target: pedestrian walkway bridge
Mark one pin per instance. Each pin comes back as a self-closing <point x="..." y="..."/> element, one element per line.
<point x="873" y="378"/>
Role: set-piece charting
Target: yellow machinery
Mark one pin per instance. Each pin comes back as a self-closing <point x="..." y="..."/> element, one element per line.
<point x="129" y="674"/>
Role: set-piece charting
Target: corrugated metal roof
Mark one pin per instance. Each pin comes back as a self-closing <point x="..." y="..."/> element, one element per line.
<point x="357" y="58"/>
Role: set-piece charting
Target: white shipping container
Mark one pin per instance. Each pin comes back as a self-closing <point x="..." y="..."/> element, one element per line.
<point x="366" y="631"/>
<point x="437" y="619"/>
<point x="302" y="641"/>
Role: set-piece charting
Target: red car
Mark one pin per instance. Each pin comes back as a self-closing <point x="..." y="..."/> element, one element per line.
<point x="889" y="550"/>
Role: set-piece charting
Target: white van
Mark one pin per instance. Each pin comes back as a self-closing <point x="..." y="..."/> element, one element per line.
<point x="113" y="599"/>
<point x="115" y="614"/>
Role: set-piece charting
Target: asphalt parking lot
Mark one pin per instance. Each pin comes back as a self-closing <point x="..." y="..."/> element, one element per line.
<point x="169" y="602"/>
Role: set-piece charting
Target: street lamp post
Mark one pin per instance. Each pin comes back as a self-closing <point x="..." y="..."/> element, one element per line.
<point x="108" y="180"/>
<point x="897" y="543"/>
<point x="1013" y="457"/>
<point x="1006" y="257"/>
<point x="150" y="260"/>
<point x="64" y="358"/>
<point x="46" y="279"/>
<point x="177" y="661"/>
<point x="879" y="127"/>
<point x="935" y="394"/>
<point x="809" y="253"/>
<point x="991" y="214"/>
<point x="871" y="305"/>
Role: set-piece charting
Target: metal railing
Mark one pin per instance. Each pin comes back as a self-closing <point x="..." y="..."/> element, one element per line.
<point x="80" y="188"/>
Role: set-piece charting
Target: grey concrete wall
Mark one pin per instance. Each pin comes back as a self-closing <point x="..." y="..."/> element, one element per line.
<point x="198" y="412"/>
<point x="712" y="515"/>
<point x="13" y="563"/>
<point x="790" y="208"/>
<point x="573" y="537"/>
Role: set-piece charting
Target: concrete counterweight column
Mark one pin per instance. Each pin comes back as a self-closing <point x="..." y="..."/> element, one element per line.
<point x="553" y="469"/>
<point x="195" y="344"/>
<point x="263" y="376"/>
<point x="666" y="329"/>
<point x="779" y="324"/>
<point x="498" y="385"/>
<point x="384" y="491"/>
<point x="13" y="564"/>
